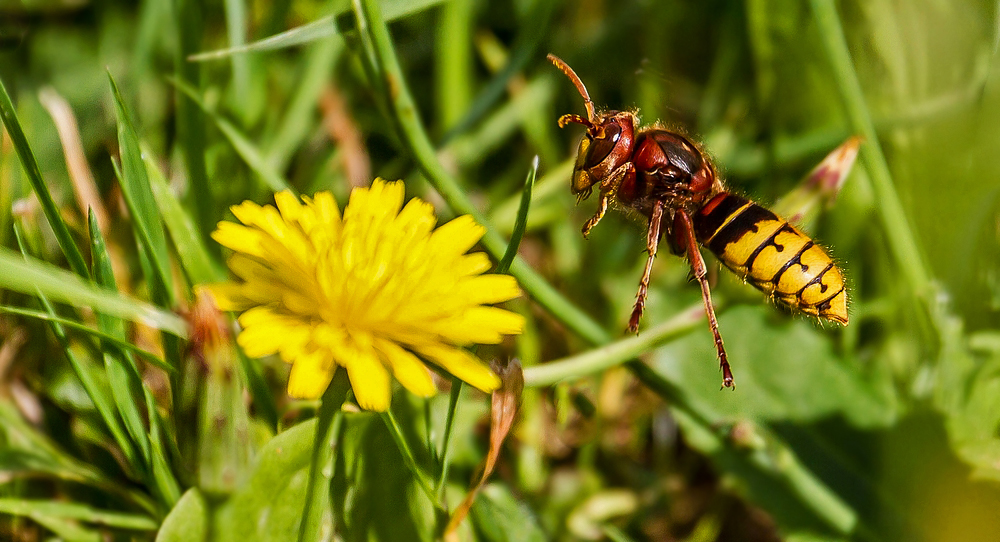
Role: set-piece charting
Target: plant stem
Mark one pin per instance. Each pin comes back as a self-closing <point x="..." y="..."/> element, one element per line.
<point x="616" y="353"/>
<point x="321" y="462"/>
<point x="411" y="462"/>
<point x="456" y="391"/>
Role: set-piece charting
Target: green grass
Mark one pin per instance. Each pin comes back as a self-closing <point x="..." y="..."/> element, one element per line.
<point x="884" y="430"/>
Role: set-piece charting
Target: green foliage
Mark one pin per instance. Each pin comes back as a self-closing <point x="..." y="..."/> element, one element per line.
<point x="888" y="429"/>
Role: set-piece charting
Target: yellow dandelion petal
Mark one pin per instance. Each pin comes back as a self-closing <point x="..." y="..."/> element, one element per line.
<point x="461" y="364"/>
<point x="289" y="206"/>
<point x="488" y="289"/>
<point x="408" y="369"/>
<point x="247" y="212"/>
<point x="457" y="236"/>
<point x="476" y="263"/>
<point x="484" y="325"/>
<point x="310" y="375"/>
<point x="228" y="296"/>
<point x="265" y="331"/>
<point x="373" y="289"/>
<point x="369" y="379"/>
<point x="239" y="238"/>
<point x="249" y="269"/>
<point x="326" y="209"/>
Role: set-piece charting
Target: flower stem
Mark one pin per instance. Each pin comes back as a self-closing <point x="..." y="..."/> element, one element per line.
<point x="456" y="391"/>
<point x="321" y="464"/>
<point x="408" y="458"/>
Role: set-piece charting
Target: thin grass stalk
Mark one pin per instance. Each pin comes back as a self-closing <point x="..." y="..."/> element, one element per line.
<point x="408" y="458"/>
<point x="30" y="166"/>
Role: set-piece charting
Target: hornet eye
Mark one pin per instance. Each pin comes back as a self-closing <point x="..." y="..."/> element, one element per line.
<point x="602" y="146"/>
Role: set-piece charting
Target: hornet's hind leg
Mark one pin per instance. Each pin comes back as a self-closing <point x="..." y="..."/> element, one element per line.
<point x="684" y="237"/>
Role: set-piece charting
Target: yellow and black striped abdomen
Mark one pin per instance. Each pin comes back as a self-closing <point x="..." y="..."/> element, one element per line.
<point x="771" y="254"/>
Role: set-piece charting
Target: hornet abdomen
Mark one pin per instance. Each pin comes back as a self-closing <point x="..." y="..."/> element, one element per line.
<point x="772" y="255"/>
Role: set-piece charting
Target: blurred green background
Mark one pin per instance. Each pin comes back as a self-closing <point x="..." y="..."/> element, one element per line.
<point x="888" y="429"/>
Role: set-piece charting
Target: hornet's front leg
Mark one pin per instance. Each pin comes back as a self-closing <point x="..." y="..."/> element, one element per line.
<point x="652" y="242"/>
<point x="609" y="187"/>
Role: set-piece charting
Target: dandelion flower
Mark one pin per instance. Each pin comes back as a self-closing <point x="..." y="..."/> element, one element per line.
<point x="377" y="291"/>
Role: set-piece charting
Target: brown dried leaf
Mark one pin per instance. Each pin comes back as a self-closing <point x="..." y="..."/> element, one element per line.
<point x="504" y="404"/>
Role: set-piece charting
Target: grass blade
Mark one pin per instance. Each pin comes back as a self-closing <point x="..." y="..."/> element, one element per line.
<point x="31" y="276"/>
<point x="195" y="260"/>
<point x="521" y="223"/>
<point x="123" y="375"/>
<point x="30" y="165"/>
<point x="139" y="196"/>
<point x="890" y="210"/>
<point x="57" y="320"/>
<point x="247" y="150"/>
<point x="331" y="25"/>
<point x="87" y="514"/>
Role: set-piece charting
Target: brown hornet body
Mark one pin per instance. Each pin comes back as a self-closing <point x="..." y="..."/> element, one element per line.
<point x="667" y="179"/>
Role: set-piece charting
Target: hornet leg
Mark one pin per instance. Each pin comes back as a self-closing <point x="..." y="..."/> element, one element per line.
<point x="652" y="241"/>
<point x="684" y="230"/>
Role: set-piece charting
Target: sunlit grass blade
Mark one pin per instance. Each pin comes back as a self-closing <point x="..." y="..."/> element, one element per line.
<point x="30" y="166"/>
<point x="123" y="374"/>
<point x="195" y="260"/>
<point x="55" y="319"/>
<point x="30" y="276"/>
<point x="521" y="222"/>
<point x="309" y="32"/>
<point x="902" y="242"/>
<point x="316" y="30"/>
<point x="554" y="181"/>
<point x="139" y="196"/>
<point x="127" y="385"/>
<point x="247" y="150"/>
<point x="99" y="395"/>
<point x="84" y="513"/>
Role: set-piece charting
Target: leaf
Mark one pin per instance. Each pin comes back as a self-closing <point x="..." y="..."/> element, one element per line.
<point x="269" y="505"/>
<point x="498" y="516"/>
<point x="188" y="521"/>
<point x="783" y="369"/>
<point x="372" y="482"/>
